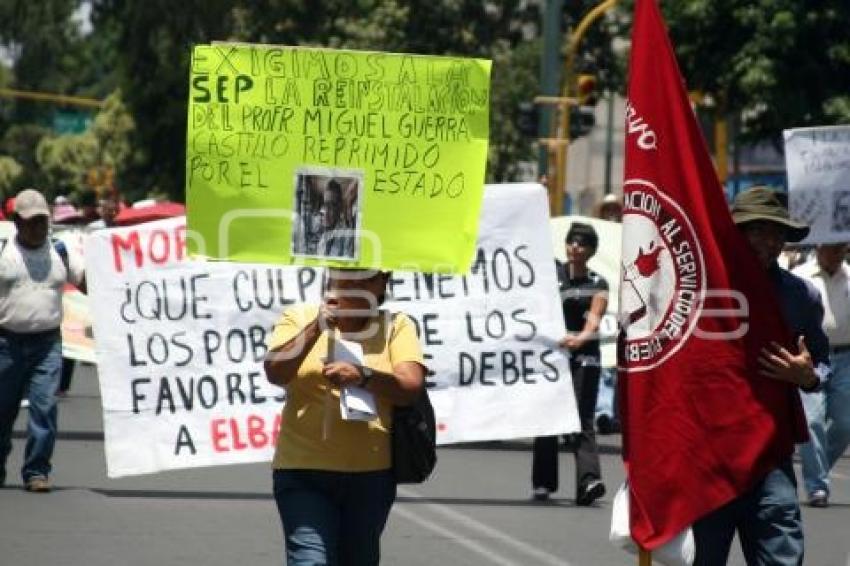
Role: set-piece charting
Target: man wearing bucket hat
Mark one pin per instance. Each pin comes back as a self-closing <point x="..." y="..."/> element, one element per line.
<point x="33" y="273"/>
<point x="767" y="517"/>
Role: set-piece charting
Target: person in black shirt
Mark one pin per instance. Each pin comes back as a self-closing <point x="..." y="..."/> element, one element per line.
<point x="584" y="296"/>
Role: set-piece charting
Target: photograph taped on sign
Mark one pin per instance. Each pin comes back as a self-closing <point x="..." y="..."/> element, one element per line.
<point x="328" y="206"/>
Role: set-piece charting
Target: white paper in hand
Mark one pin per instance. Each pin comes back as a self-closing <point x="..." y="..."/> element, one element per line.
<point x="355" y="403"/>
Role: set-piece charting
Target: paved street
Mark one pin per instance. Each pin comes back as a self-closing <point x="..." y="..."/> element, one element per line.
<point x="475" y="511"/>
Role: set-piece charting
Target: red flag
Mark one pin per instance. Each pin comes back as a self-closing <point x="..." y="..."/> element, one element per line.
<point x="701" y="426"/>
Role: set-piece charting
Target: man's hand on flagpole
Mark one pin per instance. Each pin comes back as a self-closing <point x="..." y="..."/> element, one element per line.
<point x="778" y="363"/>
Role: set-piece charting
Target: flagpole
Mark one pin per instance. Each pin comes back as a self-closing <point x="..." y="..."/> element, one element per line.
<point x="644" y="558"/>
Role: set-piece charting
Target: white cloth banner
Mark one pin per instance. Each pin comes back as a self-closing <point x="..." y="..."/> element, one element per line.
<point x="180" y="344"/>
<point x="818" y="164"/>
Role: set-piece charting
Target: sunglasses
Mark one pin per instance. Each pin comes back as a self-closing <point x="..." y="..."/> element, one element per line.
<point x="578" y="241"/>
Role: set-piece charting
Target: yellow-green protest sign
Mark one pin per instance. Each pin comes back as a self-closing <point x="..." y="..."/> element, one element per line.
<point x="332" y="157"/>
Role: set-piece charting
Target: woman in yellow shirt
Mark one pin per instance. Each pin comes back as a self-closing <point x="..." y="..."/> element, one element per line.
<point x="333" y="481"/>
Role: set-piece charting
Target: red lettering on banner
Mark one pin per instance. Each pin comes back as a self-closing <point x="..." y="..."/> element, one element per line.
<point x="159" y="239"/>
<point x="160" y="247"/>
<point x="252" y="433"/>
<point x="256" y="435"/>
<point x="234" y="430"/>
<point x="130" y="244"/>
<point x="180" y="242"/>
<point x="218" y="435"/>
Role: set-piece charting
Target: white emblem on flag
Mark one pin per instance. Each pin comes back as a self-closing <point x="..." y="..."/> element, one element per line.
<point x="662" y="278"/>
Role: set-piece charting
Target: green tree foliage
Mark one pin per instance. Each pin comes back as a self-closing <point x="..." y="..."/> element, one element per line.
<point x="153" y="48"/>
<point x="42" y="36"/>
<point x="51" y="55"/>
<point x="776" y="63"/>
<point x="154" y="56"/>
<point x="5" y="75"/>
<point x="369" y="24"/>
<point x="19" y="142"/>
<point x="65" y="162"/>
<point x="10" y="172"/>
<point x="5" y="108"/>
<point x="515" y="78"/>
<point x="112" y="129"/>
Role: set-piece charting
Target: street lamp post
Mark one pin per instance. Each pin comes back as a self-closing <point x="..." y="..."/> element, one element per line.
<point x="51" y="98"/>
<point x="561" y="131"/>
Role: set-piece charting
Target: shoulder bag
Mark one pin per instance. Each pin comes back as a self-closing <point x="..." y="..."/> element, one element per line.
<point x="414" y="440"/>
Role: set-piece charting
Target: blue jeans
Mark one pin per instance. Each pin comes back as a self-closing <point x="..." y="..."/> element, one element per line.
<point x="768" y="522"/>
<point x="333" y="518"/>
<point x="605" y="397"/>
<point x="30" y="364"/>
<point x="828" y="414"/>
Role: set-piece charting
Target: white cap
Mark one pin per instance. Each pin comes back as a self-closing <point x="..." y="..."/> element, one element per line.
<point x="29" y="203"/>
<point x="611" y="198"/>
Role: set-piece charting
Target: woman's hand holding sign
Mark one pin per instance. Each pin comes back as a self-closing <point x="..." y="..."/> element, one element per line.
<point x="328" y="317"/>
<point x="342" y="374"/>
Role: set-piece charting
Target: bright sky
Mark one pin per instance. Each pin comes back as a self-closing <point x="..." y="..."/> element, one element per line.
<point x="83" y="17"/>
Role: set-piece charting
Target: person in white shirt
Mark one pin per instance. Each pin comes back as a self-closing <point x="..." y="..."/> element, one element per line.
<point x="33" y="272"/>
<point x="828" y="410"/>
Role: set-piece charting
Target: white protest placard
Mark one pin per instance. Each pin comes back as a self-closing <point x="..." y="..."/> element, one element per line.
<point x="818" y="164"/>
<point x="180" y="343"/>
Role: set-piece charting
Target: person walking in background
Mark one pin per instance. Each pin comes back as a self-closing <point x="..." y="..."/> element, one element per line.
<point x="32" y="276"/>
<point x="65" y="213"/>
<point x="611" y="208"/>
<point x="828" y="411"/>
<point x="584" y="296"/>
<point x="88" y="207"/>
<point x="333" y="481"/>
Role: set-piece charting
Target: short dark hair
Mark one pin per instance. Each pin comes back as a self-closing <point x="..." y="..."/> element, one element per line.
<point x="366" y="274"/>
<point x="584" y="232"/>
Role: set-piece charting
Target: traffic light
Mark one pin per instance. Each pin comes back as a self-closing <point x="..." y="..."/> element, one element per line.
<point x="586" y="89"/>
<point x="528" y="118"/>
<point x="582" y="120"/>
